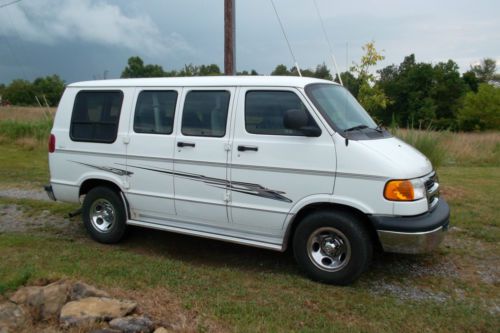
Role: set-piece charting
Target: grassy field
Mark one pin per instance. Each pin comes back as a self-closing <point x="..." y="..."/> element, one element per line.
<point x="224" y="287"/>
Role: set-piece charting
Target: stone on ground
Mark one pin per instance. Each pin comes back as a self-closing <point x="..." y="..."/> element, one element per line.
<point x="93" y="309"/>
<point x="12" y="317"/>
<point x="133" y="324"/>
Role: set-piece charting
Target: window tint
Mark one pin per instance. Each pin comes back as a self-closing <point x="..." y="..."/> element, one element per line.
<point x="154" y="112"/>
<point x="205" y="113"/>
<point x="265" y="112"/>
<point x="96" y="115"/>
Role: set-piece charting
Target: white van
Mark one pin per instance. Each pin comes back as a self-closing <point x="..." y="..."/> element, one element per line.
<point x="270" y="162"/>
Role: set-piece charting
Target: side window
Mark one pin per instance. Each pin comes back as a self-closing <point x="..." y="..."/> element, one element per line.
<point x="154" y="112"/>
<point x="95" y="116"/>
<point x="205" y="113"/>
<point x="265" y="112"/>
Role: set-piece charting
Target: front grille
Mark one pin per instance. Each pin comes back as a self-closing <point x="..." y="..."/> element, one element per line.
<point x="432" y="187"/>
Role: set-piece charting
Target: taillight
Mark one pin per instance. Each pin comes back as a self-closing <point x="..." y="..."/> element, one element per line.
<point x="52" y="143"/>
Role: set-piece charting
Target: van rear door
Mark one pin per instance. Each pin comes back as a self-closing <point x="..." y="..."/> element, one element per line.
<point x="150" y="154"/>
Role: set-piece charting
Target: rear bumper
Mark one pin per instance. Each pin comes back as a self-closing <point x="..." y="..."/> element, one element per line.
<point x="50" y="192"/>
<point x="413" y="234"/>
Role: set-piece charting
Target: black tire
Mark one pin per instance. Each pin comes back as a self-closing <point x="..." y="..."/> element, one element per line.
<point x="104" y="215"/>
<point x="332" y="247"/>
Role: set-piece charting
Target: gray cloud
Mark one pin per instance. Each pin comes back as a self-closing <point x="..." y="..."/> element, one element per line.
<point x="52" y="21"/>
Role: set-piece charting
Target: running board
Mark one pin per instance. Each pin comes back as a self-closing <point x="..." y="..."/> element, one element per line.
<point x="190" y="232"/>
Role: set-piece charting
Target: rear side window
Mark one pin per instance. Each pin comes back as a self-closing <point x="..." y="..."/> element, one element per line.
<point x="205" y="113"/>
<point x="95" y="116"/>
<point x="265" y="112"/>
<point x="154" y="112"/>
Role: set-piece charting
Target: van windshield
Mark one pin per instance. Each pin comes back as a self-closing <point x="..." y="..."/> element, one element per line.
<point x="340" y="108"/>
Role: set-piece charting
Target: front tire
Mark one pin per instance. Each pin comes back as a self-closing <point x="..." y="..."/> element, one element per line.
<point x="332" y="247"/>
<point x="104" y="215"/>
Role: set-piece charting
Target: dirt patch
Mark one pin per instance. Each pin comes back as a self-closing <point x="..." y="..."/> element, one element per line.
<point x="167" y="310"/>
<point x="454" y="193"/>
<point x="407" y="292"/>
<point x="19" y="193"/>
<point x="13" y="219"/>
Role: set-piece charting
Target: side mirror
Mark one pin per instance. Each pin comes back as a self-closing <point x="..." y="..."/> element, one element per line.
<point x="297" y="120"/>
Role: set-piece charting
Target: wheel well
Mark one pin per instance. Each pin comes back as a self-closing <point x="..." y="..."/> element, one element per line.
<point x="89" y="184"/>
<point x="309" y="209"/>
<point x="92" y="183"/>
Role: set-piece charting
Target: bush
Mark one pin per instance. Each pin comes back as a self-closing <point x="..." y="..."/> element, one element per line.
<point x="481" y="110"/>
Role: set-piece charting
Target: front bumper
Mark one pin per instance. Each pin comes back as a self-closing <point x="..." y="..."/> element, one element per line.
<point x="413" y="234"/>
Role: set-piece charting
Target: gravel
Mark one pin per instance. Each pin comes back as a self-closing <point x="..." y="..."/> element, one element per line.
<point x="407" y="292"/>
<point x="17" y="193"/>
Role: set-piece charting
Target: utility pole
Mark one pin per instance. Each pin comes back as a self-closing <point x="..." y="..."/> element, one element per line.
<point x="229" y="40"/>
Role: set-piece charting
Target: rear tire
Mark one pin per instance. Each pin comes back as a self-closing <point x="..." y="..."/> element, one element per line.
<point x="332" y="247"/>
<point x="104" y="215"/>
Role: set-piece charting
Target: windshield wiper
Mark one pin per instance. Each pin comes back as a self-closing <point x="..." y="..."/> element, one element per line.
<point x="379" y="128"/>
<point x="355" y="128"/>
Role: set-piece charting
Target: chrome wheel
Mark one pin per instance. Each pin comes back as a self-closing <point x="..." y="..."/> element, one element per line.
<point x="102" y="215"/>
<point x="329" y="249"/>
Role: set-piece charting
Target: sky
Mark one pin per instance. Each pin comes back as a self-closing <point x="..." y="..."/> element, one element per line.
<point x="87" y="39"/>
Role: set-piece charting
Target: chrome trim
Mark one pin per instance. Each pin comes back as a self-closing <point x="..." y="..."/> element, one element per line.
<point x="411" y="242"/>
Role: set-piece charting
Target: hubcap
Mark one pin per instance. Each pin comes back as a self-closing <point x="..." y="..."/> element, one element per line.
<point x="329" y="249"/>
<point x="102" y="215"/>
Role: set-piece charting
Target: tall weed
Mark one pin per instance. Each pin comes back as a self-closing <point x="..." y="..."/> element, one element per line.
<point x="427" y="142"/>
<point x="14" y="130"/>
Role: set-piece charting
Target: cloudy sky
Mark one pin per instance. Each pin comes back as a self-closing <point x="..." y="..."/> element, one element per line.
<point x="83" y="39"/>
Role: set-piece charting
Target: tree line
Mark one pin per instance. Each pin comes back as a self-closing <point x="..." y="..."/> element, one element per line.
<point x="411" y="94"/>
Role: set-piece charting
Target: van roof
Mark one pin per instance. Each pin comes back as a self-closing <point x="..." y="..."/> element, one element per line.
<point x="204" y="81"/>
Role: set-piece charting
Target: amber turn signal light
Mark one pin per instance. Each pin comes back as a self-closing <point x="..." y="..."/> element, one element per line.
<point x="399" y="190"/>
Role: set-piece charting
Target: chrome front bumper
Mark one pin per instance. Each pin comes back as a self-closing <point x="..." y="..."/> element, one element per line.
<point x="411" y="242"/>
<point x="413" y="234"/>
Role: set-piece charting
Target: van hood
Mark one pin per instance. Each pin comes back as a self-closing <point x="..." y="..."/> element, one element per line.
<point x="408" y="161"/>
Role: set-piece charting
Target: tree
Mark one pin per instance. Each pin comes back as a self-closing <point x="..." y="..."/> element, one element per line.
<point x="471" y="81"/>
<point x="447" y="91"/>
<point x="370" y="95"/>
<point x="253" y="72"/>
<point x="322" y="72"/>
<point x="135" y="68"/>
<point x="350" y="82"/>
<point x="481" y="110"/>
<point x="19" y="92"/>
<point x="51" y="87"/>
<point x="485" y="70"/>
<point x="281" y="70"/>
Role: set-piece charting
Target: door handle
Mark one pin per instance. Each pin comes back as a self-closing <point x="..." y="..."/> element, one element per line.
<point x="245" y="148"/>
<point x="185" y="144"/>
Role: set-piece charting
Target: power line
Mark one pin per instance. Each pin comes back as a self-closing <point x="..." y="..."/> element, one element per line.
<point x="10" y="3"/>
<point x="286" y="38"/>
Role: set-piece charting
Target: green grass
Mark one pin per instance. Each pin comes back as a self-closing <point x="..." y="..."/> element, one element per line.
<point x="252" y="290"/>
<point x="39" y="129"/>
<point x="23" y="167"/>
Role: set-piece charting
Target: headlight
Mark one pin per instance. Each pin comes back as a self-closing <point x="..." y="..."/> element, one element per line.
<point x="404" y="190"/>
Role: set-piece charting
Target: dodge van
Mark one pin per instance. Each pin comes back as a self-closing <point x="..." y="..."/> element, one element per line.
<point x="271" y="162"/>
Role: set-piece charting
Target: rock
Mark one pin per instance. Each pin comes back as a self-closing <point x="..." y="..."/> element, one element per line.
<point x="106" y="330"/>
<point x="12" y="317"/>
<point x="24" y="294"/>
<point x="82" y="290"/>
<point x="45" y="302"/>
<point x="133" y="324"/>
<point x="161" y="330"/>
<point x="93" y="309"/>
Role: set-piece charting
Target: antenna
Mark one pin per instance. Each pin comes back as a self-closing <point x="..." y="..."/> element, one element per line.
<point x="328" y="42"/>
<point x="286" y="38"/>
